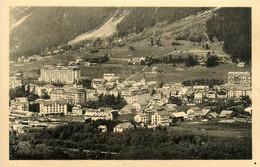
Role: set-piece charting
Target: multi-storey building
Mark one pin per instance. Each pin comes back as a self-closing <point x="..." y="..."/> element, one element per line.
<point x="160" y="118"/>
<point x="58" y="94"/>
<point x="20" y="103"/>
<point x="142" y="118"/>
<point x="98" y="114"/>
<point x="59" y="74"/>
<point x="97" y="82"/>
<point x="15" y="81"/>
<point x="53" y="107"/>
<point x="74" y="94"/>
<point x="136" y="95"/>
<point x="239" y="78"/>
<point x="238" y="91"/>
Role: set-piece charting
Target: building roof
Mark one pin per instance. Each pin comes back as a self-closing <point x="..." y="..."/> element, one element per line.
<point x="213" y="114"/>
<point x="222" y="93"/>
<point x="225" y="112"/>
<point x="126" y="125"/>
<point x="178" y="114"/>
<point x="204" y="112"/>
<point x="128" y="106"/>
<point x="51" y="102"/>
<point x="195" y="108"/>
<point x="57" y="91"/>
<point x="163" y="112"/>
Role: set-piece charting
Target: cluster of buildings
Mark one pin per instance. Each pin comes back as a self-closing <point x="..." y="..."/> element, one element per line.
<point x="151" y="104"/>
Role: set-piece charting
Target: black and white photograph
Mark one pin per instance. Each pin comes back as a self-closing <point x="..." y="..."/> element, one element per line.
<point x="130" y="83"/>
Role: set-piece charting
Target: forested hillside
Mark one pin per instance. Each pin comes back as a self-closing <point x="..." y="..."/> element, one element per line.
<point x="142" y="18"/>
<point x="33" y="29"/>
<point x="52" y="26"/>
<point x="233" y="27"/>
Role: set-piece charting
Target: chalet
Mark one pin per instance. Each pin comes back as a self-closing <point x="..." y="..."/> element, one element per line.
<point x="155" y="70"/>
<point x="178" y="116"/>
<point x="102" y="128"/>
<point x="241" y="64"/>
<point x="123" y="126"/>
<point x="97" y="82"/>
<point x="160" y="101"/>
<point x="211" y="94"/>
<point x="212" y="115"/>
<point x="77" y="110"/>
<point x="221" y="94"/>
<point x="201" y="113"/>
<point x="249" y="110"/>
<point x="192" y="111"/>
<point x="140" y="105"/>
<point x="128" y="109"/>
<point x="225" y="114"/>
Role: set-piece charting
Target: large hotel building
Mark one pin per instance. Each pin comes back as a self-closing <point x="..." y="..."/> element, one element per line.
<point x="59" y="74"/>
<point x="239" y="78"/>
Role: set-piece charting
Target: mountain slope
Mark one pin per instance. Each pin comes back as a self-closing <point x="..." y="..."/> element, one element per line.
<point x="106" y="30"/>
<point x="52" y="26"/>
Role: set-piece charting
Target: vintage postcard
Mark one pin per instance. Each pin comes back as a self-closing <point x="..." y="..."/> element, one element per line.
<point x="130" y="83"/>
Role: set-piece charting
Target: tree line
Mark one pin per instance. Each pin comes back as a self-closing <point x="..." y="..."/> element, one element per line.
<point x="141" y="143"/>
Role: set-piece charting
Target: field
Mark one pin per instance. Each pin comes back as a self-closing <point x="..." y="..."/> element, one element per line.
<point x="120" y="67"/>
<point x="215" y="129"/>
<point x="173" y="74"/>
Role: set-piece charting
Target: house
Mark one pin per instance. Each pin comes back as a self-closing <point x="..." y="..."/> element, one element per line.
<point x="249" y="110"/>
<point x="102" y="128"/>
<point x="221" y="94"/>
<point x="178" y="116"/>
<point x="211" y="94"/>
<point x="201" y="113"/>
<point x="192" y="111"/>
<point x="97" y="82"/>
<point x="87" y="64"/>
<point x="159" y="101"/>
<point x="123" y="126"/>
<point x="128" y="109"/>
<point x="155" y="70"/>
<point x="77" y="110"/>
<point x="142" y="118"/>
<point x="212" y="115"/>
<point x="110" y="85"/>
<point x="241" y="64"/>
<point x="225" y="114"/>
<point x="198" y="96"/>
<point x="110" y="77"/>
<point x="140" y="105"/>
<point x="160" y="118"/>
<point x="201" y="87"/>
